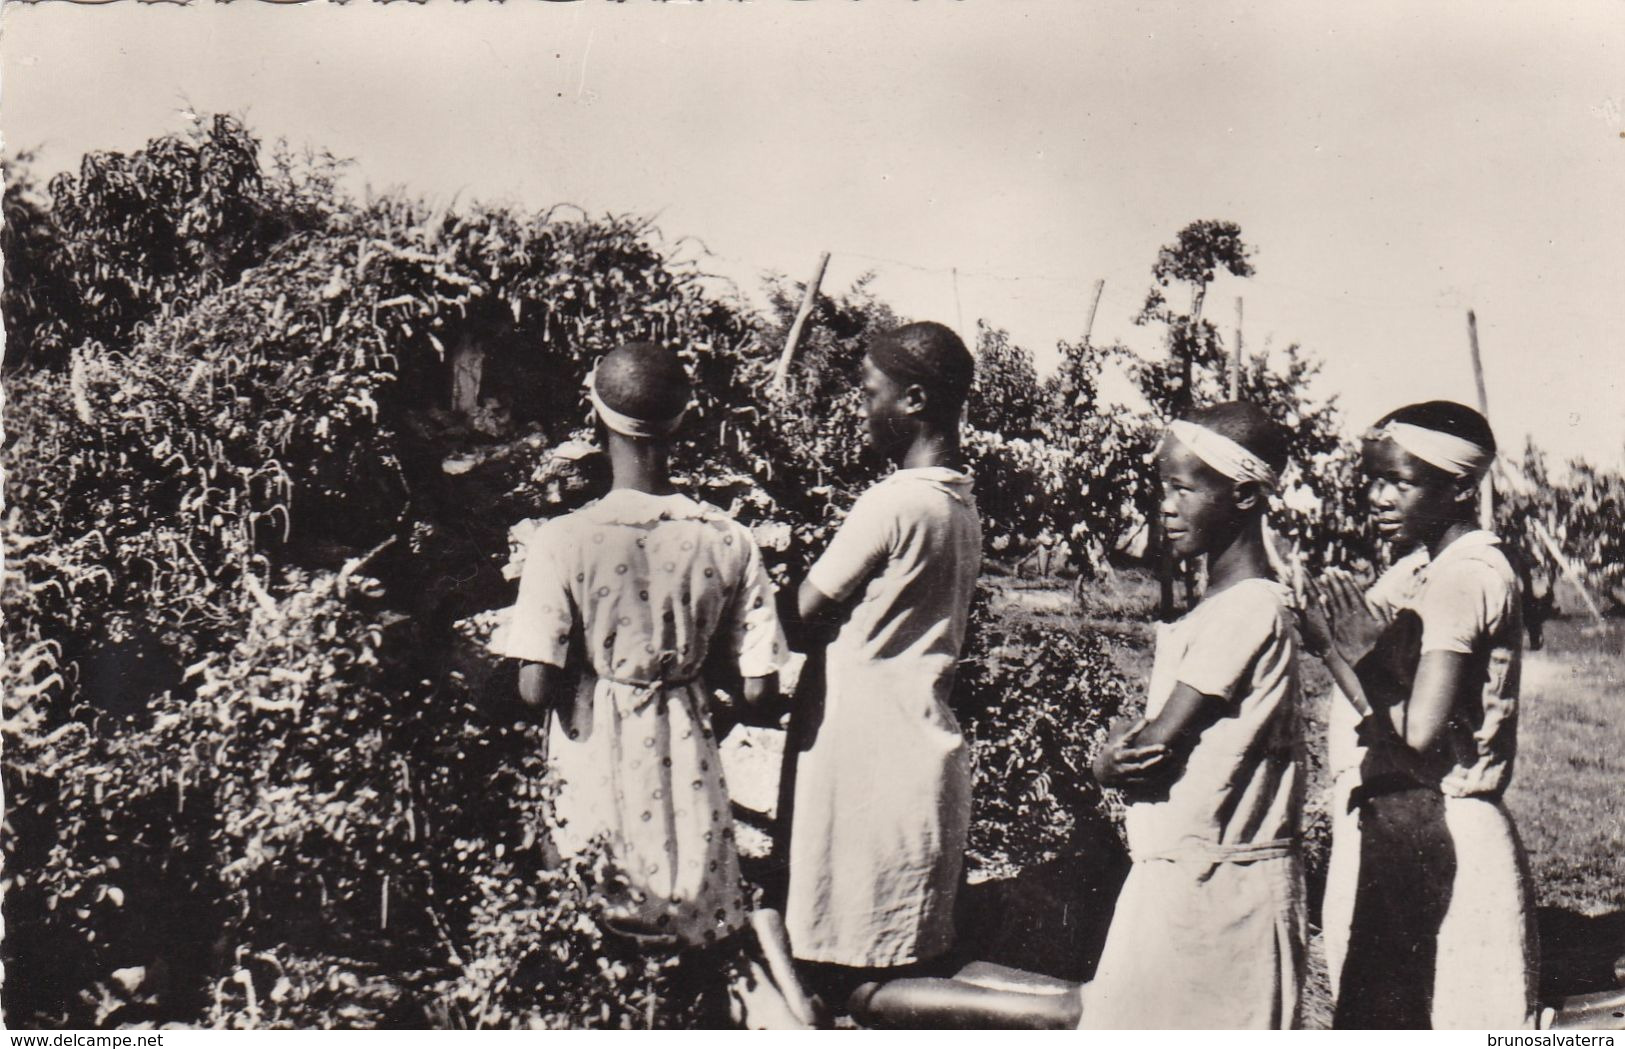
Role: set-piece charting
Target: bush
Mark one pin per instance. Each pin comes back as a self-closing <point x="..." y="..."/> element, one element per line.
<point x="1037" y="700"/>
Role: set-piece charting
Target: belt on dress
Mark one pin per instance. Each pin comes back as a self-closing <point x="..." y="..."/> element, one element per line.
<point x="1208" y="852"/>
<point x="649" y="690"/>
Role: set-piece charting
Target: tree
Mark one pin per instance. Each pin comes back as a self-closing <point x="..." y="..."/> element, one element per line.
<point x="1006" y="398"/>
<point x="1104" y="488"/>
<point x="37" y="290"/>
<point x="156" y="228"/>
<point x="1194" y="260"/>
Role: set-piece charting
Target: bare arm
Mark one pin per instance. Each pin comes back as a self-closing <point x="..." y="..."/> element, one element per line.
<point x="760" y="700"/>
<point x="541" y="685"/>
<point x="1182" y="719"/>
<point x="1440" y="680"/>
<point x="816" y="608"/>
<point x="1348" y="682"/>
<point x="1139" y="755"/>
<point x="544" y="687"/>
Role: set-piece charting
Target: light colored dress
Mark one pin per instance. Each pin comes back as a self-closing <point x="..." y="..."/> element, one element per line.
<point x="1486" y="968"/>
<point x="882" y="795"/>
<point x="645" y="589"/>
<point x="1209" y="929"/>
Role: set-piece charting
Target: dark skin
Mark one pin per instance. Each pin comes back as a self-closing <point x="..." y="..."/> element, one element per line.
<point x="641" y="465"/>
<point x="900" y="424"/>
<point x="1413" y="504"/>
<point x="1203" y="512"/>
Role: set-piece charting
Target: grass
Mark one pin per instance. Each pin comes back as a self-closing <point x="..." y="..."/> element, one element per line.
<point x="1567" y="786"/>
<point x="1566" y="792"/>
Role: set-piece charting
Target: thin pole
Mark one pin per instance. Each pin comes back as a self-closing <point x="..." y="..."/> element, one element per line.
<point x="1094" y="306"/>
<point x="1235" y="360"/>
<point x="1486" y="491"/>
<point x="959" y="311"/>
<point x="793" y="340"/>
<point x="1566" y="565"/>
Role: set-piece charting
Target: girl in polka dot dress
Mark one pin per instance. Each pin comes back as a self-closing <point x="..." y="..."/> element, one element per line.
<point x="641" y="591"/>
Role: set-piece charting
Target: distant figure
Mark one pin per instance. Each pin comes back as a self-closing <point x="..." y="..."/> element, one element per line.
<point x="1428" y="913"/>
<point x="1539" y="597"/>
<point x="1209" y="929"/>
<point x="638" y="592"/>
<point x="882" y="793"/>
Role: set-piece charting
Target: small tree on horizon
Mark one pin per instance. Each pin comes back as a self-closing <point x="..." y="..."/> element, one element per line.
<point x="1194" y="260"/>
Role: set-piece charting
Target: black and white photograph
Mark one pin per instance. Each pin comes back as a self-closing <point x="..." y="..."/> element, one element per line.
<point x="812" y="515"/>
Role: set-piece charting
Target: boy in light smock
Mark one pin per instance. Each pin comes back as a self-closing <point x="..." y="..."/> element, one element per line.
<point x="882" y="792"/>
<point x="1208" y="931"/>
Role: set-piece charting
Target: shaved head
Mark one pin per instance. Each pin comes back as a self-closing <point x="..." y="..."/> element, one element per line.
<point x="643" y="381"/>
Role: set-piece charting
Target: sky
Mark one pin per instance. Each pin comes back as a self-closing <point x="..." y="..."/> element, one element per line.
<point x="1393" y="165"/>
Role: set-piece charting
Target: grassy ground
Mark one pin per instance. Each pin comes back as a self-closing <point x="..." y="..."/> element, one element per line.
<point x="1571" y="765"/>
<point x="1566" y="796"/>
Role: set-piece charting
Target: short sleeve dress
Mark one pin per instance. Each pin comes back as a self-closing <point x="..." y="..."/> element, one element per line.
<point x="882" y="793"/>
<point x="642" y="591"/>
<point x="1209" y="929"/>
<point x="1479" y="951"/>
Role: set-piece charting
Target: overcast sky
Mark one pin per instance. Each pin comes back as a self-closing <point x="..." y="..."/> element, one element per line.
<point x="1393" y="166"/>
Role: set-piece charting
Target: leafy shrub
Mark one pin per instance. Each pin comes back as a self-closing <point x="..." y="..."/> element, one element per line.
<point x="1037" y="700"/>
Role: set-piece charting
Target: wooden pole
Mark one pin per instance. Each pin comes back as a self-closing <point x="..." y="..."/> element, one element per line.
<point x="1235" y="359"/>
<point x="781" y="374"/>
<point x="1089" y="325"/>
<point x="1486" y="502"/>
<point x="959" y="311"/>
<point x="1486" y="490"/>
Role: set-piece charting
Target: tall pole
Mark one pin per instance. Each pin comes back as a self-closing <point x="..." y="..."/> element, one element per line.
<point x="1486" y="491"/>
<point x="792" y="341"/>
<point x="1094" y="306"/>
<point x="1235" y="359"/>
<point x="959" y="311"/>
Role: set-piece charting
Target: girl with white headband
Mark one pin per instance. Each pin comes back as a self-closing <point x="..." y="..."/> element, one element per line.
<point x="1428" y="918"/>
<point x="1209" y="927"/>
<point x="640" y="594"/>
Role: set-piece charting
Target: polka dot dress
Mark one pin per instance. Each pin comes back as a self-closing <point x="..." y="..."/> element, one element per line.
<point x="648" y="586"/>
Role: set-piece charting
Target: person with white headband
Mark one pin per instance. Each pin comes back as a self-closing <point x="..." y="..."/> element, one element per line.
<point x="1209" y="929"/>
<point x="642" y="593"/>
<point x="1428" y="913"/>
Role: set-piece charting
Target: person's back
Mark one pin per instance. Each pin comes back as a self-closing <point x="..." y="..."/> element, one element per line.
<point x="638" y="592"/>
<point x="914" y="606"/>
<point x="649" y="586"/>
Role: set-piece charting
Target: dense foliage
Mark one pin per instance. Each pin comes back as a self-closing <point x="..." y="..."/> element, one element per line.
<point x="1037" y="703"/>
<point x="265" y="443"/>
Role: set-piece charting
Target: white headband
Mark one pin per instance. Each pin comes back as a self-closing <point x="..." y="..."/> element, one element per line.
<point x="630" y="427"/>
<point x="1452" y="454"/>
<point x="1223" y="454"/>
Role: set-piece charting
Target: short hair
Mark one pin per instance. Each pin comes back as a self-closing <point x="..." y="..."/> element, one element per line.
<point x="930" y="354"/>
<point x="643" y="380"/>
<point x="1458" y="420"/>
<point x="1249" y="426"/>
